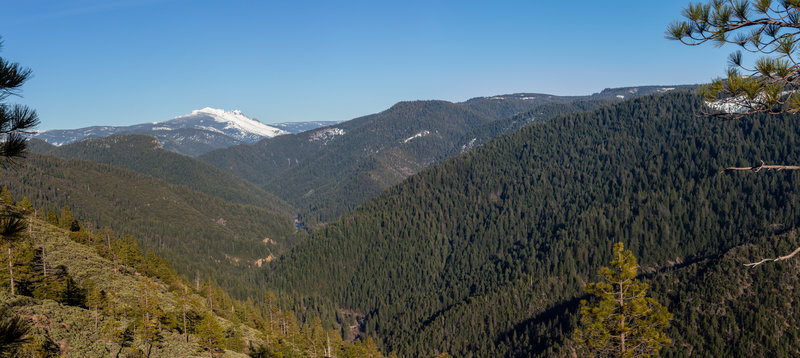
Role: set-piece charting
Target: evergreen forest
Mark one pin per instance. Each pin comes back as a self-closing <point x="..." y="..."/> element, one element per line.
<point x="487" y="253"/>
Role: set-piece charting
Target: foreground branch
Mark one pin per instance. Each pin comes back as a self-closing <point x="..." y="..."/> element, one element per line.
<point x="754" y="264"/>
<point x="765" y="166"/>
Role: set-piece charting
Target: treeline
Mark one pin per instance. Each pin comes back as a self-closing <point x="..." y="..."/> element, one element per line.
<point x="137" y="304"/>
<point x="460" y="256"/>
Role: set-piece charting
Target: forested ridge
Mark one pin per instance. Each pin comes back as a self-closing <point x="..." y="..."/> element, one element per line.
<point x="460" y="256"/>
<point x="144" y="154"/>
<point x="328" y="172"/>
<point x="201" y="235"/>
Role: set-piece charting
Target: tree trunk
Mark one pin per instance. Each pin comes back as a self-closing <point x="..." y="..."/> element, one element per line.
<point x="44" y="260"/>
<point x="11" y="269"/>
<point x="185" y="334"/>
<point x="328" y="346"/>
<point x="622" y="315"/>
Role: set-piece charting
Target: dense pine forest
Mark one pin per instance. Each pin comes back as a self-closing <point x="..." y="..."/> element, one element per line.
<point x="492" y="248"/>
<point x="328" y="172"/>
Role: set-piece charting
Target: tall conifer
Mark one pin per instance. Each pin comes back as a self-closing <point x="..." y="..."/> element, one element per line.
<point x="621" y="321"/>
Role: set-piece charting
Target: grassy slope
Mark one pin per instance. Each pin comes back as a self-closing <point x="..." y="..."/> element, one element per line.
<point x="71" y="327"/>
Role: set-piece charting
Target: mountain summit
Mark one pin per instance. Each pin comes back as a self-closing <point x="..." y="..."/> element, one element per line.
<point x="191" y="134"/>
<point x="231" y="123"/>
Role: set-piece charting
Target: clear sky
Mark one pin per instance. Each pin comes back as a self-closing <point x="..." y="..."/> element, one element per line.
<point x="121" y="62"/>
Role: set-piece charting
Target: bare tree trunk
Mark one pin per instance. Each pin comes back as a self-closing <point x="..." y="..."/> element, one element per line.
<point x="44" y="261"/>
<point x="781" y="258"/>
<point x="621" y="316"/>
<point x="758" y="168"/>
<point x="328" y="346"/>
<point x="185" y="334"/>
<point x="11" y="269"/>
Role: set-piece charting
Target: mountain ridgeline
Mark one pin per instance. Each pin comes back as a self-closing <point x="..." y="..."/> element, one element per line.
<point x="330" y="171"/>
<point x="192" y="134"/>
<point x="487" y="253"/>
<point x="145" y="155"/>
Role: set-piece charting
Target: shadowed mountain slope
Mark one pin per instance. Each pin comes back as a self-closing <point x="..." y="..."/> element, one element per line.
<point x="505" y="233"/>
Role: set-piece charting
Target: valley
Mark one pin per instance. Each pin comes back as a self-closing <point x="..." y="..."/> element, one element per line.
<point x="459" y="233"/>
<point x="399" y="179"/>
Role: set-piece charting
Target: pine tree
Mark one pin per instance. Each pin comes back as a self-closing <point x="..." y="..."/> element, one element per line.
<point x="764" y="27"/>
<point x="148" y="329"/>
<point x="66" y="217"/>
<point x="26" y="204"/>
<point x="13" y="332"/>
<point x="209" y="334"/>
<point x="621" y="321"/>
<point x="6" y="197"/>
<point x="15" y="120"/>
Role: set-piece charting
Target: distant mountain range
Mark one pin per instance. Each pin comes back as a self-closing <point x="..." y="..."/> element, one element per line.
<point x="192" y="134"/>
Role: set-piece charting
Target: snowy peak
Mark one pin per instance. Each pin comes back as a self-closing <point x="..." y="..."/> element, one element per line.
<point x="235" y="123"/>
<point x="191" y="134"/>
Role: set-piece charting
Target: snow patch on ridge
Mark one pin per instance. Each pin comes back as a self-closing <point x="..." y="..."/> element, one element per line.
<point x="418" y="135"/>
<point x="325" y="134"/>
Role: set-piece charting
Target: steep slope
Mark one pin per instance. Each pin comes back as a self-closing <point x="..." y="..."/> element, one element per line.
<point x="329" y="171"/>
<point x="145" y="155"/>
<point x="493" y="238"/>
<point x="189" y="228"/>
<point x="68" y="329"/>
<point x="722" y="308"/>
<point x="89" y="294"/>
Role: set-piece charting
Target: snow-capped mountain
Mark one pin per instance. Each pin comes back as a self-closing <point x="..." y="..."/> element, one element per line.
<point x="231" y="123"/>
<point x="192" y="134"/>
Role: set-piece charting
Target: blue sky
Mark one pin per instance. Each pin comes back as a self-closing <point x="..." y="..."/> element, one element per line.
<point x="120" y="62"/>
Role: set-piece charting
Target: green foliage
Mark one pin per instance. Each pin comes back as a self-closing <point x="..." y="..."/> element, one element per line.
<point x="209" y="334"/>
<point x="144" y="155"/>
<point x="5" y="196"/>
<point x="187" y="228"/>
<point x="621" y="321"/>
<point x="13" y="333"/>
<point x="326" y="175"/>
<point x="102" y="296"/>
<point x="757" y="26"/>
<point x="26" y="204"/>
<point x="15" y="120"/>
<point x="501" y="239"/>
